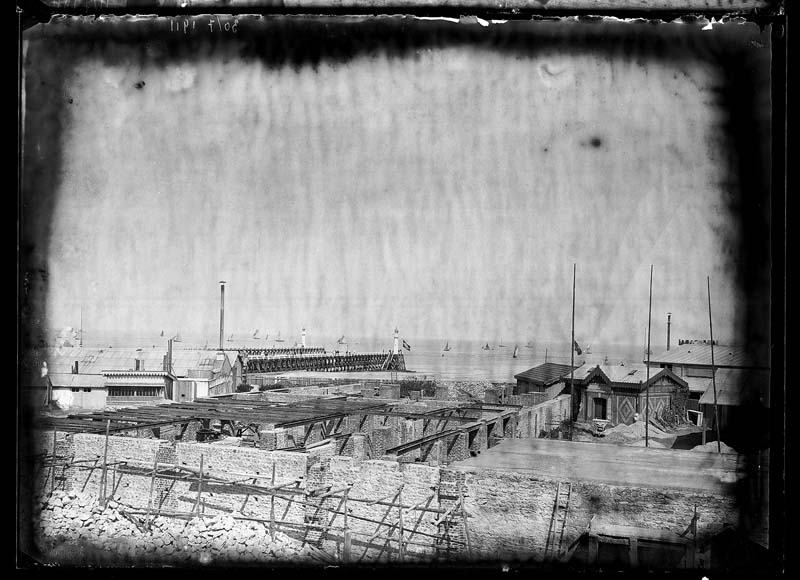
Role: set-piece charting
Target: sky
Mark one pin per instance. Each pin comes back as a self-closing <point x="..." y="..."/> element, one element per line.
<point x="448" y="192"/>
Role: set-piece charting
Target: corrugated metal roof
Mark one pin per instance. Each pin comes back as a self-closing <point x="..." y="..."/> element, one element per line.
<point x="738" y="387"/>
<point x="64" y="380"/>
<point x="698" y="384"/>
<point x="700" y="354"/>
<point x="630" y="373"/>
<point x="97" y="360"/>
<point x="633" y="374"/>
<point x="545" y="373"/>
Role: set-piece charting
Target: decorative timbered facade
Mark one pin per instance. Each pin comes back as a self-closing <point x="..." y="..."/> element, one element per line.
<point x="617" y="393"/>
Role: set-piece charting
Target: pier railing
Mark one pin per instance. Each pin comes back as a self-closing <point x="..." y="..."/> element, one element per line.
<point x="330" y="362"/>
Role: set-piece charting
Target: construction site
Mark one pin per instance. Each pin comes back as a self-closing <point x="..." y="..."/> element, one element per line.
<point x="354" y="473"/>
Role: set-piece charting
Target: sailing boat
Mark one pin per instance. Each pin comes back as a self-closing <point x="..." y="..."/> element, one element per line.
<point x="230" y="338"/>
<point x="446" y="346"/>
<point x="485" y="347"/>
<point x="341" y="340"/>
<point x="529" y="344"/>
<point x="255" y="334"/>
<point x="162" y="333"/>
<point x="177" y="337"/>
<point x="588" y="349"/>
<point x="279" y="339"/>
<point x="516" y="350"/>
<point x="501" y="345"/>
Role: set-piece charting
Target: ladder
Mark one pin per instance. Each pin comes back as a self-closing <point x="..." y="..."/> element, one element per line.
<point x="387" y="362"/>
<point x="553" y="548"/>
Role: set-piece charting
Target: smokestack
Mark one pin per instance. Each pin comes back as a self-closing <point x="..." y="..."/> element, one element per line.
<point x="168" y="361"/>
<point x="221" y="312"/>
<point x="669" y="322"/>
<point x="304" y="338"/>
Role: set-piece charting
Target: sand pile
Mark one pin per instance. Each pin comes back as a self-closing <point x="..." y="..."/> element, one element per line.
<point x="627" y="433"/>
<point x="711" y="447"/>
<point x="652" y="443"/>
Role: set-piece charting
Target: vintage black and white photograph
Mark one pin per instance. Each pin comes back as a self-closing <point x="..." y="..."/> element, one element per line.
<point x="314" y="290"/>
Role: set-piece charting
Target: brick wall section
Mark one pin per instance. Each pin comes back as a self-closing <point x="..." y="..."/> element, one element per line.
<point x="510" y="427"/>
<point x="59" y="477"/>
<point x="455" y="447"/>
<point x="381" y="440"/>
<point x="431" y="453"/>
<point x="451" y="533"/>
<point x="128" y="482"/>
<point x="508" y="513"/>
<point x="479" y="442"/>
<point x="218" y="498"/>
<point x="545" y="413"/>
<point x="390" y="391"/>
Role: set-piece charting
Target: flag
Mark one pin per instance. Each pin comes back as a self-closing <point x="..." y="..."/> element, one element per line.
<point x="406" y="345"/>
<point x="576" y="347"/>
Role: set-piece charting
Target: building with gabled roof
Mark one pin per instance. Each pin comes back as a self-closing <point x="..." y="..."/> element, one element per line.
<point x="542" y="379"/>
<point x="616" y="393"/>
<point x="95" y="377"/>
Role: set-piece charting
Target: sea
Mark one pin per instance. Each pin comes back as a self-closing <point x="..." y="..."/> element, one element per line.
<point x="466" y="359"/>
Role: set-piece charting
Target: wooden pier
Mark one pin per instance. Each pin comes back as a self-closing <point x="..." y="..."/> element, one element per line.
<point x="266" y="362"/>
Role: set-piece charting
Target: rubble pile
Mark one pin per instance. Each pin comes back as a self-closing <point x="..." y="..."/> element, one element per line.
<point x="477" y="389"/>
<point x="71" y="526"/>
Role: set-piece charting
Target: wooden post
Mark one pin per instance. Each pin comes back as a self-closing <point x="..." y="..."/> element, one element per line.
<point x="571" y="356"/>
<point x="199" y="486"/>
<point x="647" y="381"/>
<point x="466" y="526"/>
<point x="400" y="512"/>
<point x="152" y="485"/>
<point x="713" y="370"/>
<point x="272" y="506"/>
<point x="53" y="466"/>
<point x="347" y="539"/>
<point x="105" y="468"/>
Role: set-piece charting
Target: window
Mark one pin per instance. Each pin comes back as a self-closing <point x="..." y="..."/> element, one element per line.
<point x="87" y="390"/>
<point x="75" y="390"/>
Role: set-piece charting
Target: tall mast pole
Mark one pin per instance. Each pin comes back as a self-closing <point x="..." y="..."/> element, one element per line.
<point x="221" y="313"/>
<point x="713" y="370"/>
<point x="572" y="360"/>
<point x="647" y="381"/>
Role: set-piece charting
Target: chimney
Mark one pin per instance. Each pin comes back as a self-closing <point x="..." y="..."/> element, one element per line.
<point x="669" y="322"/>
<point x="168" y="357"/>
<point x="75" y="368"/>
<point x="137" y="364"/>
<point x="221" y="313"/>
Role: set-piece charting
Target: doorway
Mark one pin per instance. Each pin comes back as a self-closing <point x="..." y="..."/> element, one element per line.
<point x="599" y="408"/>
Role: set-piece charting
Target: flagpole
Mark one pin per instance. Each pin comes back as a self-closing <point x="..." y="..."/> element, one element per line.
<point x="647" y="381"/>
<point x="713" y="370"/>
<point x="572" y="361"/>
